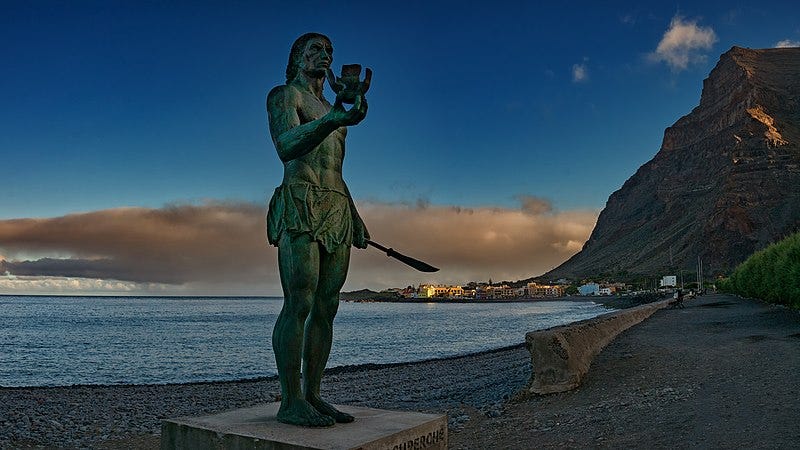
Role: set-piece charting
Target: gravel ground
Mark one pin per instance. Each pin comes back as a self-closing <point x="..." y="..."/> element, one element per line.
<point x="720" y="373"/>
<point x="130" y="416"/>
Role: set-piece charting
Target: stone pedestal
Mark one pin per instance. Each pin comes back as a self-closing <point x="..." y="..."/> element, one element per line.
<point x="257" y="428"/>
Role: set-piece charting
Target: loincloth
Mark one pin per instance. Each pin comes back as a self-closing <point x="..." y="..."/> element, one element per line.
<point x="323" y="213"/>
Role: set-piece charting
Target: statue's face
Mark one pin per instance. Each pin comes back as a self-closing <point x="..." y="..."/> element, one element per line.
<point x="317" y="57"/>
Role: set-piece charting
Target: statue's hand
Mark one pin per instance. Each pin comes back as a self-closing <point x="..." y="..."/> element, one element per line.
<point x="360" y="234"/>
<point x="336" y="83"/>
<point x="343" y="117"/>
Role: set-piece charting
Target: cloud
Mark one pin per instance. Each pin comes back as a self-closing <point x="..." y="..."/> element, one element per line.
<point x="580" y="73"/>
<point x="221" y="249"/>
<point x="25" y="285"/>
<point x="534" y="205"/>
<point x="786" y="43"/>
<point x="470" y="244"/>
<point x="216" y="244"/>
<point x="682" y="44"/>
<point x="628" y="19"/>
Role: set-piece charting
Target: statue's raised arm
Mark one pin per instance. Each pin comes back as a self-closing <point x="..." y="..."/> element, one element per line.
<point x="291" y="137"/>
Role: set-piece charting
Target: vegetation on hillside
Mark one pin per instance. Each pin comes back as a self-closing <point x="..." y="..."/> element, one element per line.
<point x="772" y="274"/>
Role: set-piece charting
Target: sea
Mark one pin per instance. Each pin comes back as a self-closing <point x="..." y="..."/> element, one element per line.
<point x="63" y="341"/>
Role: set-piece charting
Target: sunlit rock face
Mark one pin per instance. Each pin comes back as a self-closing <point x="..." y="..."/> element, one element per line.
<point x="725" y="183"/>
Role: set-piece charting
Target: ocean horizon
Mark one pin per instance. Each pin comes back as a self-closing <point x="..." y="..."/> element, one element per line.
<point x="114" y="340"/>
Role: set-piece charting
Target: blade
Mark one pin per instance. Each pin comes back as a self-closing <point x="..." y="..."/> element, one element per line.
<point x="415" y="263"/>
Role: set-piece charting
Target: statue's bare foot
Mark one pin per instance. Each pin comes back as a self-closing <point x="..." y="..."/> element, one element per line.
<point x="327" y="409"/>
<point x="301" y="412"/>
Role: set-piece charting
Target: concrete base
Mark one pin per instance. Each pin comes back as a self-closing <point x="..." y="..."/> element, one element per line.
<point x="257" y="428"/>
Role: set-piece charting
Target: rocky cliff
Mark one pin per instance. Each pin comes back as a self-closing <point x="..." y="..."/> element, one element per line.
<point x="725" y="183"/>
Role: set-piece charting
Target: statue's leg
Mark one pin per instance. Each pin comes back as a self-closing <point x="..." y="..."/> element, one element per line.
<point x="298" y="261"/>
<point x="319" y="328"/>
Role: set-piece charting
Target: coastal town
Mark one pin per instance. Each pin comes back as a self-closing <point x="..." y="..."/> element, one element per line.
<point x="520" y="290"/>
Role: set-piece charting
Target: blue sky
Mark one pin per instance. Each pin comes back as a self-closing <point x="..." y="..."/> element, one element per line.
<point x="472" y="105"/>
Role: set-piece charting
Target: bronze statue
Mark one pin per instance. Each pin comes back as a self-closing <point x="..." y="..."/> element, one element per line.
<point x="312" y="220"/>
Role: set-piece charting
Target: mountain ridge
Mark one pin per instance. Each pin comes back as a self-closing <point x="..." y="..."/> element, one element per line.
<point x="725" y="182"/>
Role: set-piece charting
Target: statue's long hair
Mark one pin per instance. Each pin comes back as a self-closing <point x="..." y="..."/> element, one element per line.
<point x="297" y="50"/>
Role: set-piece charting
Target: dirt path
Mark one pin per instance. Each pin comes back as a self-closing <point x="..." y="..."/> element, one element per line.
<point x="721" y="373"/>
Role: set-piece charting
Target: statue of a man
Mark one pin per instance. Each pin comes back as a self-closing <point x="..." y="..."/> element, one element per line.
<point x="313" y="221"/>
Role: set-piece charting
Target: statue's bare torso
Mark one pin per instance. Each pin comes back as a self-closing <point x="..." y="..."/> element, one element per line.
<point x="322" y="166"/>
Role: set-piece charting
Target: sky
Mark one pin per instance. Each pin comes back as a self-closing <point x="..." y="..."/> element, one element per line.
<point x="135" y="156"/>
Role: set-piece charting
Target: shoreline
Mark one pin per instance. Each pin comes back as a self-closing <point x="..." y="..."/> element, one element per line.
<point x="336" y="370"/>
<point x="129" y="416"/>
<point x="719" y="373"/>
<point x="612" y="302"/>
<point x="413" y="356"/>
<point x="465" y="300"/>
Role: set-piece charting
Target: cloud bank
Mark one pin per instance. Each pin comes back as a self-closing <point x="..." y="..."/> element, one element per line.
<point x="213" y="247"/>
<point x="471" y="244"/>
<point x="787" y="43"/>
<point x="71" y="285"/>
<point x="683" y="43"/>
<point x="221" y="249"/>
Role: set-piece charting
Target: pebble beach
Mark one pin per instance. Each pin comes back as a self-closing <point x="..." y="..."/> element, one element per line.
<point x="130" y="416"/>
<point x="719" y="373"/>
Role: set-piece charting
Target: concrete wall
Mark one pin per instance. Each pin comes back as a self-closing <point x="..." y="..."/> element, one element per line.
<point x="561" y="356"/>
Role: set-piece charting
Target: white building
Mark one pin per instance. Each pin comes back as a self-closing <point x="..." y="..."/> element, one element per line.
<point x="589" y="289"/>
<point x="669" y="281"/>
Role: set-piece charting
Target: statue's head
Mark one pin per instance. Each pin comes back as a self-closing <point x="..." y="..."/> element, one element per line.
<point x="296" y="54"/>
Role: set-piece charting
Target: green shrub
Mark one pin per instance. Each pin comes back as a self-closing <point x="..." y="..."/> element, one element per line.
<point x="772" y="274"/>
<point x="724" y="285"/>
